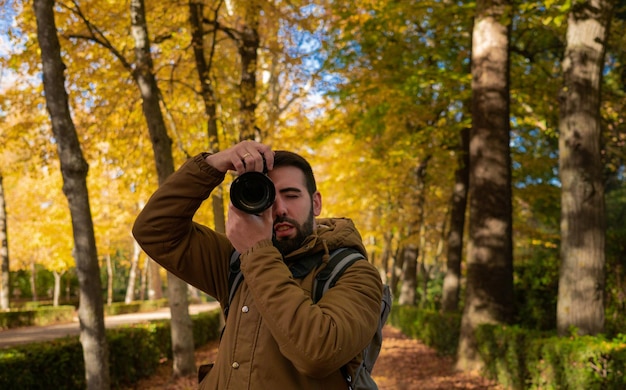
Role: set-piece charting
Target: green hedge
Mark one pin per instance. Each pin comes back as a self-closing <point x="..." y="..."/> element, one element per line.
<point x="44" y="315"/>
<point x="134" y="353"/>
<point x="439" y="331"/>
<point x="117" y="308"/>
<point x="525" y="359"/>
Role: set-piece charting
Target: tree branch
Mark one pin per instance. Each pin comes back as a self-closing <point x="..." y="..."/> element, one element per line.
<point x="96" y="35"/>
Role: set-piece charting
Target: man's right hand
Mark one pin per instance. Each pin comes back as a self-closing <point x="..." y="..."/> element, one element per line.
<point x="245" y="230"/>
<point x="246" y="156"/>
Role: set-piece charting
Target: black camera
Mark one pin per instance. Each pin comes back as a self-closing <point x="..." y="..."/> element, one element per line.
<point x="252" y="192"/>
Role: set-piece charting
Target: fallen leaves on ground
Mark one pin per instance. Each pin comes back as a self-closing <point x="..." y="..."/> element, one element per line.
<point x="407" y="364"/>
<point x="403" y="364"/>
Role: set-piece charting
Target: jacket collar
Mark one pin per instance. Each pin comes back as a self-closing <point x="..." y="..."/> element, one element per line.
<point x="301" y="268"/>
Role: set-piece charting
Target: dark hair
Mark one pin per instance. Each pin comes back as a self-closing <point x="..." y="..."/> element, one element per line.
<point x="284" y="158"/>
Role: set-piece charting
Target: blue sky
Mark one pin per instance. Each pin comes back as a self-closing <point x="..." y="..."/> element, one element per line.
<point x="7" y="25"/>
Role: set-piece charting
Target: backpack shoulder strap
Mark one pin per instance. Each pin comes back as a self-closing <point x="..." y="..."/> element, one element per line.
<point x="235" y="277"/>
<point x="340" y="260"/>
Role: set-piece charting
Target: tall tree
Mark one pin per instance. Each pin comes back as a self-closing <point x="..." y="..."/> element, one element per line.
<point x="248" y="47"/>
<point x="5" y="288"/>
<point x="204" y="62"/>
<point x="56" y="294"/>
<point x="181" y="325"/>
<point x="203" y="66"/>
<point x="74" y="169"/>
<point x="408" y="275"/>
<point x="143" y="75"/>
<point x="134" y="266"/>
<point x="489" y="292"/>
<point x="582" y="276"/>
<point x="89" y="32"/>
<point x="411" y="251"/>
<point x="452" y="279"/>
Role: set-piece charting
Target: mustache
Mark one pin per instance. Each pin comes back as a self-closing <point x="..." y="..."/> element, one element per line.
<point x="282" y="219"/>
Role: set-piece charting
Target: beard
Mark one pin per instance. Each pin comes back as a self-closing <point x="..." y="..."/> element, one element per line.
<point x="288" y="245"/>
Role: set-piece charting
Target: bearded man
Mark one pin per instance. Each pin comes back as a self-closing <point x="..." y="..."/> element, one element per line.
<point x="275" y="336"/>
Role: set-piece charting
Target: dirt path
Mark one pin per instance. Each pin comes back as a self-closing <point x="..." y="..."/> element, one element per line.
<point x="403" y="364"/>
<point x="407" y="364"/>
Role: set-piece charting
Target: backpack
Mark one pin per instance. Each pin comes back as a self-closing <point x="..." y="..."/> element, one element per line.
<point x="340" y="259"/>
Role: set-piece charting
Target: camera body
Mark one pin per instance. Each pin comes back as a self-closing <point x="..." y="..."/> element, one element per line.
<point x="252" y="192"/>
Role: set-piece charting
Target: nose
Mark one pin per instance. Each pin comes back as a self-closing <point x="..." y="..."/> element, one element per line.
<point x="279" y="208"/>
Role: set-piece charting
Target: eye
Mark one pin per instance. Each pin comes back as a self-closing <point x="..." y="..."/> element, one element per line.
<point x="291" y="193"/>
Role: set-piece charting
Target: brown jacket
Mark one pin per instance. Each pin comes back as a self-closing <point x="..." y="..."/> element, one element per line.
<point x="275" y="337"/>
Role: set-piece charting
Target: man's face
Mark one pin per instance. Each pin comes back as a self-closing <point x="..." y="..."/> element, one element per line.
<point x="294" y="209"/>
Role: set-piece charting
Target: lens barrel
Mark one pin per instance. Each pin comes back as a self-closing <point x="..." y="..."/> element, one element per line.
<point x="252" y="192"/>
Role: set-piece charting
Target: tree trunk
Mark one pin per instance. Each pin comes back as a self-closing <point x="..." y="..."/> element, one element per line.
<point x="182" y="330"/>
<point x="194" y="293"/>
<point x="155" y="285"/>
<point x="452" y="280"/>
<point x="107" y="258"/>
<point x="386" y="255"/>
<point x="248" y="52"/>
<point x="396" y="270"/>
<point x="33" y="279"/>
<point x="423" y="272"/>
<point x="74" y="171"/>
<point x="411" y="250"/>
<point x="582" y="275"/>
<point x="196" y="19"/>
<point x="132" y="274"/>
<point x="182" y="337"/>
<point x="68" y="290"/>
<point x="489" y="293"/>
<point x="409" y="275"/>
<point x="57" y="288"/>
<point x="5" y="283"/>
<point x="145" y="274"/>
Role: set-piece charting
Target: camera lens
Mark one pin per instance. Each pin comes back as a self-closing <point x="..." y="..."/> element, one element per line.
<point x="252" y="192"/>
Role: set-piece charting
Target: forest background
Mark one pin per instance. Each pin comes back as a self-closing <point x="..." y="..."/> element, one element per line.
<point x="375" y="93"/>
